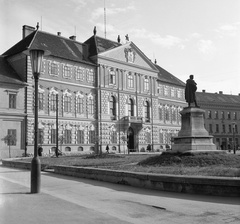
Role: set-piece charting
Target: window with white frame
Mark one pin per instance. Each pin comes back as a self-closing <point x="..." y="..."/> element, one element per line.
<point x="92" y="136"/>
<point x="90" y="105"/>
<point x="146" y="84"/>
<point x="80" y="136"/>
<point x="167" y="114"/>
<point x="79" y="104"/>
<point x="209" y="114"/>
<point x="12" y="100"/>
<point x="174" y="114"/>
<point x="89" y="74"/>
<point x="229" y="115"/>
<point x="179" y="93"/>
<point x="67" y="136"/>
<point x="235" y="115"/>
<point x="67" y="103"/>
<point x="66" y="72"/>
<point x="53" y="102"/>
<point x="112" y="77"/>
<point x="12" y="137"/>
<point x="166" y="89"/>
<point x="130" y="80"/>
<point x="53" y="136"/>
<point x="80" y="73"/>
<point x="54" y="69"/>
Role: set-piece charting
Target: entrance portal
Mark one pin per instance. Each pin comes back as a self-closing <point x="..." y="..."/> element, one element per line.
<point x="130" y="139"/>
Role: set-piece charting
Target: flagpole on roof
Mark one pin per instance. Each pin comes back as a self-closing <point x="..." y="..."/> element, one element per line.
<point x="105" y="21"/>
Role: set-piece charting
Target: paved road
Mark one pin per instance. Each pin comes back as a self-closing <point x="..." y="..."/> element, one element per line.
<point x="74" y="200"/>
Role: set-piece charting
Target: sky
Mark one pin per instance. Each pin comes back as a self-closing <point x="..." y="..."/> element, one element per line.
<point x="199" y="37"/>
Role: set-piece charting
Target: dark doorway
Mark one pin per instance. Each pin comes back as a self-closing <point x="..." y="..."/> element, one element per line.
<point x="130" y="139"/>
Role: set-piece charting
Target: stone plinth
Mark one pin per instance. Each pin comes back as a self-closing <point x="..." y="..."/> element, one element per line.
<point x="193" y="135"/>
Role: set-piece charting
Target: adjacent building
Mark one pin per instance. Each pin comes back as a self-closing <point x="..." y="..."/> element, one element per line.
<point x="104" y="92"/>
<point x="12" y="112"/>
<point x="222" y="118"/>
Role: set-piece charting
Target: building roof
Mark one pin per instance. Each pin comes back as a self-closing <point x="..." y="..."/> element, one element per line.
<point x="165" y="76"/>
<point x="217" y="98"/>
<point x="57" y="46"/>
<point x="8" y="74"/>
<point x="98" y="45"/>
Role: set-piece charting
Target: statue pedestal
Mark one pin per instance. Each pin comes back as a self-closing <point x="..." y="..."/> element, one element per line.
<point x="193" y="136"/>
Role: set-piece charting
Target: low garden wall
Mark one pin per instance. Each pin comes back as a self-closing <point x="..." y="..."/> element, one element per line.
<point x="221" y="186"/>
<point x="175" y="183"/>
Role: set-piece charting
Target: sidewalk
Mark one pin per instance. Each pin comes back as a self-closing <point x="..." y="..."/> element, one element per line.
<point x="17" y="205"/>
<point x="75" y="200"/>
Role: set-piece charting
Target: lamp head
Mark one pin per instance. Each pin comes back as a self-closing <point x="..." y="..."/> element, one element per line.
<point x="36" y="57"/>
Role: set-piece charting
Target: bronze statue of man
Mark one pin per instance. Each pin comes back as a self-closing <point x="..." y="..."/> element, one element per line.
<point x="190" y="89"/>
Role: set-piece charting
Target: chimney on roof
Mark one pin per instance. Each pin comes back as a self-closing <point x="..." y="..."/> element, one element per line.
<point x="118" y="39"/>
<point x="220" y="92"/>
<point x="26" y="30"/>
<point x="59" y="33"/>
<point x="203" y="90"/>
<point x="72" y="37"/>
<point x="155" y="61"/>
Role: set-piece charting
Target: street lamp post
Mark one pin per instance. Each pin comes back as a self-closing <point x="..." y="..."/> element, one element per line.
<point x="36" y="62"/>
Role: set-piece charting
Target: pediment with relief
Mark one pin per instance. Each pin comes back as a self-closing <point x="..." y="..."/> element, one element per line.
<point x="129" y="53"/>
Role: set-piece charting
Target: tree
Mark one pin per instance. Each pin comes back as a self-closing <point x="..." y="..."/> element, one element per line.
<point x="9" y="140"/>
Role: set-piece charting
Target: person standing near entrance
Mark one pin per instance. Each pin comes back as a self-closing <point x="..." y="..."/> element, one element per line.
<point x="107" y="149"/>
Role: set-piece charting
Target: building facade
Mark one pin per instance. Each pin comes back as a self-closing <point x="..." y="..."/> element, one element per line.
<point x="12" y="112"/>
<point x="104" y="93"/>
<point x="222" y="118"/>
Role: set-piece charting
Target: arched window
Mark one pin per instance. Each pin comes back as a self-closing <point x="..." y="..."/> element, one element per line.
<point x="147" y="111"/>
<point x="130" y="108"/>
<point x="113" y="106"/>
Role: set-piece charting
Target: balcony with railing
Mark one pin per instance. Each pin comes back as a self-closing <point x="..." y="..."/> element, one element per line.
<point x="133" y="119"/>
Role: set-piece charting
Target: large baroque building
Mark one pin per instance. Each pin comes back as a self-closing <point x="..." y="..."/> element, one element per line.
<point x="222" y="117"/>
<point x="105" y="93"/>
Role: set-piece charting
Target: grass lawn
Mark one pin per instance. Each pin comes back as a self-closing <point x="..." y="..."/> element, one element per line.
<point x="203" y="164"/>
